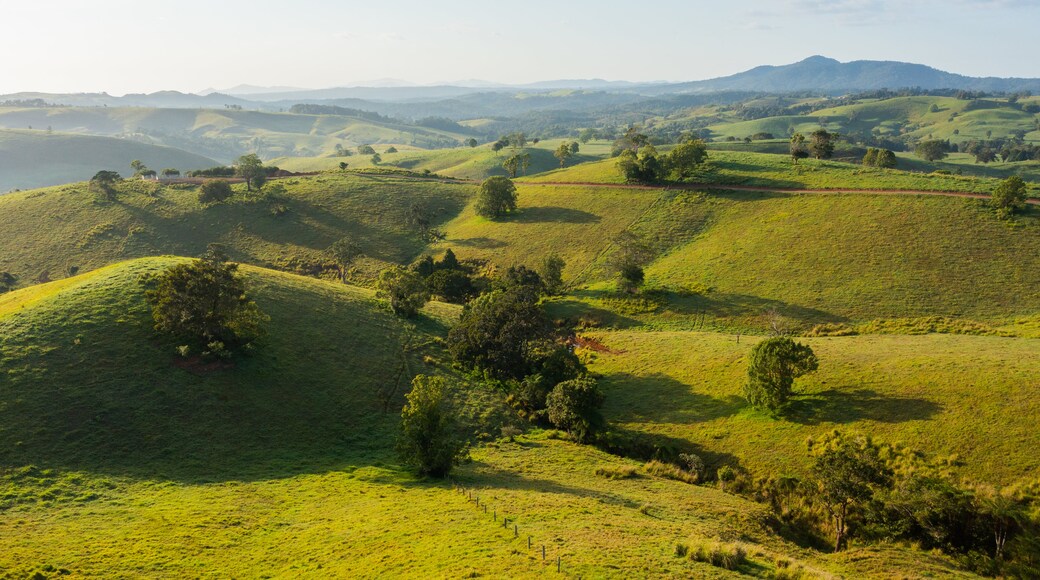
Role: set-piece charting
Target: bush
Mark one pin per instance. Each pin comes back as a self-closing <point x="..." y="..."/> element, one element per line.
<point x="617" y="472"/>
<point x="429" y="442"/>
<point x="670" y="471"/>
<point x="215" y="191"/>
<point x="1009" y="196"/>
<point x="719" y="554"/>
<point x="574" y="407"/>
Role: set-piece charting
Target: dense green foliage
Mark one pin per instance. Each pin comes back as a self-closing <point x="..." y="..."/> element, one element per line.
<point x="496" y="198"/>
<point x="429" y="441"/>
<point x="773" y="366"/>
<point x="404" y="290"/>
<point x="215" y="191"/>
<point x="574" y="406"/>
<point x="205" y="303"/>
<point x="497" y="333"/>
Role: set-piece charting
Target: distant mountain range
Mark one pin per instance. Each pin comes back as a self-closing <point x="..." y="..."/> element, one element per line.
<point x="817" y="73"/>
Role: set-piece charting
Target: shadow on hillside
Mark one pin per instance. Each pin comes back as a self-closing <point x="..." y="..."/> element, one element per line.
<point x="482" y="243"/>
<point x="835" y="406"/>
<point x="551" y="214"/>
<point x="658" y="398"/>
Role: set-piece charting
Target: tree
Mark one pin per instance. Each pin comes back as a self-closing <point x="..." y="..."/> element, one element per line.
<point x="377" y="159"/>
<point x="847" y="472"/>
<point x="644" y="167"/>
<point x="574" y="147"/>
<point x="451" y="285"/>
<point x="931" y="150"/>
<point x="215" y="191"/>
<point x="343" y="165"/>
<point x="821" y="143"/>
<point x="7" y="282"/>
<point x="497" y="197"/>
<point x="171" y="172"/>
<point x="632" y="255"/>
<point x="686" y="157"/>
<point x="885" y="159"/>
<point x="870" y="159"/>
<point x="1009" y="196"/>
<point x="205" y="302"/>
<point x="448" y="262"/>
<point x="365" y="150"/>
<point x="421" y="218"/>
<point x="496" y="333"/>
<point x="344" y="251"/>
<point x="138" y="166"/>
<point x="552" y="273"/>
<point x="105" y="182"/>
<point x="471" y="142"/>
<point x="574" y="407"/>
<point x="563" y="153"/>
<point x="404" y="289"/>
<point x="391" y="149"/>
<point x="797" y="148"/>
<point x="251" y="169"/>
<point x="632" y="140"/>
<point x="774" y="365"/>
<point x="429" y="441"/>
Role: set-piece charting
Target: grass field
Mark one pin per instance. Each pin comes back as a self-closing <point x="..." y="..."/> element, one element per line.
<point x="116" y="462"/>
<point x="49" y="230"/>
<point x="970" y="396"/>
<point x="31" y="159"/>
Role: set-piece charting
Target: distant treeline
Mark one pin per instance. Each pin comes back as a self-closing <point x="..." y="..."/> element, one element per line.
<point x="33" y="103"/>
<point x="305" y="109"/>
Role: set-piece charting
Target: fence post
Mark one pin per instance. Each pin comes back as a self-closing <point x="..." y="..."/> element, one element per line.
<point x="516" y="531"/>
<point x="557" y="563"/>
<point x="543" y="552"/>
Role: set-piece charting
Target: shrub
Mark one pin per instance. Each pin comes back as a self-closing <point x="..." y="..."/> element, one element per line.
<point x="1009" y="196"/>
<point x="670" y="471"/>
<point x="616" y="471"/>
<point x="725" y="475"/>
<point x="404" y="289"/>
<point x="719" y="554"/>
<point x="215" y="191"/>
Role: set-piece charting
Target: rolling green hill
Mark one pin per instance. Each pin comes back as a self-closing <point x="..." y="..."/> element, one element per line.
<point x="114" y="460"/>
<point x="224" y="134"/>
<point x="48" y="231"/>
<point x="30" y="159"/>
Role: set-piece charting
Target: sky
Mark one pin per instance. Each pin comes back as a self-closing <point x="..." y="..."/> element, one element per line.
<point x="134" y="46"/>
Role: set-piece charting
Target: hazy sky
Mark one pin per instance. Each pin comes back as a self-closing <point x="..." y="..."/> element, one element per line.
<point x="122" y="46"/>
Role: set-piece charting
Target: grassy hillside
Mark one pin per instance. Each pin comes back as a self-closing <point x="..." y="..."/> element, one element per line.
<point x="47" y="231"/>
<point x="30" y="159"/>
<point x="226" y="134"/>
<point x="974" y="397"/>
<point x="116" y="461"/>
<point x="462" y="163"/>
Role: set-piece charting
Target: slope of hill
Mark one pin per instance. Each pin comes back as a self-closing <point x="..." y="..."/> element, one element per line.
<point x="49" y="231"/>
<point x="30" y="159"/>
<point x="225" y="134"/>
<point x="969" y="396"/>
<point x="114" y="460"/>
<point x="826" y="74"/>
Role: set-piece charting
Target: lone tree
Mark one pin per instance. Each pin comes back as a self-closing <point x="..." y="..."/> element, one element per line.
<point x="343" y="165"/>
<point x="377" y="159"/>
<point x="932" y="150"/>
<point x="215" y="191"/>
<point x="420" y="217"/>
<point x="563" y="153"/>
<point x="775" y="364"/>
<point x="798" y="150"/>
<point x="821" y="143"/>
<point x="138" y="166"/>
<point x="429" y="442"/>
<point x="105" y="181"/>
<point x="1009" y="196"/>
<point x="251" y="169"/>
<point x="365" y="150"/>
<point x="204" y="302"/>
<point x="551" y="273"/>
<point x="404" y="289"/>
<point x="344" y="251"/>
<point x="471" y="142"/>
<point x="847" y="471"/>
<point x="574" y="407"/>
<point x="631" y="257"/>
<point x="686" y="157"/>
<point x="496" y="198"/>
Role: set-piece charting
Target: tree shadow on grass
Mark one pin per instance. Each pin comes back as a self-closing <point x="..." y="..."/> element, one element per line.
<point x="836" y="406"/>
<point x="658" y="398"/>
<point x="552" y="214"/>
<point x="483" y="243"/>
